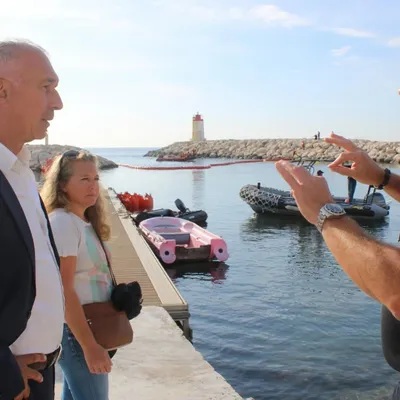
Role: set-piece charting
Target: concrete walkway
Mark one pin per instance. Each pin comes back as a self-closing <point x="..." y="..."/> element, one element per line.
<point x="160" y="364"/>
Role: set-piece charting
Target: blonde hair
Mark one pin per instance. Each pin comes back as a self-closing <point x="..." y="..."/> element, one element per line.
<point x="54" y="197"/>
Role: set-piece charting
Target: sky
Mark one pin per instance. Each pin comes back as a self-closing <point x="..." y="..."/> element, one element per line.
<point x="134" y="72"/>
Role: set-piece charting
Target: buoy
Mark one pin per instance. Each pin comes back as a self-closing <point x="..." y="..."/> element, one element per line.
<point x="189" y="167"/>
<point x="136" y="202"/>
<point x="148" y="198"/>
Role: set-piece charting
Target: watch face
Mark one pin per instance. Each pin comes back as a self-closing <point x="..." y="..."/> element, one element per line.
<point x="334" y="208"/>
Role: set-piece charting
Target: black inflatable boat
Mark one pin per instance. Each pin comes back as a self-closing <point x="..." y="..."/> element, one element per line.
<point x="199" y="217"/>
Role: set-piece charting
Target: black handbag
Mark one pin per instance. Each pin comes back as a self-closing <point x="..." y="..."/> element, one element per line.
<point x="128" y="297"/>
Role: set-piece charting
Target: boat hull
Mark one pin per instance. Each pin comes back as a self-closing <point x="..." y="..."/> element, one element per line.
<point x="176" y="159"/>
<point x="272" y="201"/>
<point x="175" y="239"/>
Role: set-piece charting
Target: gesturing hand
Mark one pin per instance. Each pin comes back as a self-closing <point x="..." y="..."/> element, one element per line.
<point x="310" y="192"/>
<point x="364" y="169"/>
<point x="28" y="373"/>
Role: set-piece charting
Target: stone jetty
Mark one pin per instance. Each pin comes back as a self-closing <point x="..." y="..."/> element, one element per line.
<point x="41" y="152"/>
<point x="383" y="152"/>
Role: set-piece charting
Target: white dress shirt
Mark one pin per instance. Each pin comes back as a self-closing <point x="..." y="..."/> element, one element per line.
<point x="43" y="332"/>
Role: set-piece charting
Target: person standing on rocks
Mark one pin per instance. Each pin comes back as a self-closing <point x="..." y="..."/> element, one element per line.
<point x="31" y="294"/>
<point x="372" y="265"/>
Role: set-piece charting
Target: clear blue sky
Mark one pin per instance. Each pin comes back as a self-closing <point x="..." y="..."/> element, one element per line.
<point x="133" y="72"/>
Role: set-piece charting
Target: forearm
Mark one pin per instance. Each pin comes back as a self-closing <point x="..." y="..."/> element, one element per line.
<point x="76" y="320"/>
<point x="393" y="188"/>
<point x="373" y="266"/>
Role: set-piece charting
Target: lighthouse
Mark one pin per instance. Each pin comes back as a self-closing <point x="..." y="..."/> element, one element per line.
<point x="198" y="128"/>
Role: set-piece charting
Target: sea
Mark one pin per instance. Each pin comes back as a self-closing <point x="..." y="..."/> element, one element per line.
<point x="280" y="319"/>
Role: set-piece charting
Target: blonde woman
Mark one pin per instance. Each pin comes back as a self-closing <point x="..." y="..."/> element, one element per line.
<point x="73" y="200"/>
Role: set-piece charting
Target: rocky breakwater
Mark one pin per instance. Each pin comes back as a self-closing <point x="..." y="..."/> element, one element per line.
<point x="40" y="153"/>
<point x="383" y="152"/>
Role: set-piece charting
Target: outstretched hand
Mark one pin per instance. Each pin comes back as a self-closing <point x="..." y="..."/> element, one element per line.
<point x="364" y="169"/>
<point x="310" y="192"/>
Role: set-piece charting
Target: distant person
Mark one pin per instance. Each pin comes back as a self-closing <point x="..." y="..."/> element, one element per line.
<point x="31" y="295"/>
<point x="318" y="135"/>
<point x="315" y="137"/>
<point x="351" y="186"/>
<point x="72" y="196"/>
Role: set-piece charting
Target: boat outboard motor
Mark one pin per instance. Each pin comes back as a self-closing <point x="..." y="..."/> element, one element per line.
<point x="180" y="206"/>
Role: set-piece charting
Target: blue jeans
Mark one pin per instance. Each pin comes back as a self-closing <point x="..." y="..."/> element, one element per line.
<point x="79" y="382"/>
<point x="351" y="188"/>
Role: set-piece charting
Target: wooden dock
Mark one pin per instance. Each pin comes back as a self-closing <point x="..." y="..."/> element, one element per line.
<point x="133" y="260"/>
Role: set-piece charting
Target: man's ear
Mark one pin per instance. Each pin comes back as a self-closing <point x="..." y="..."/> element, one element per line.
<point x="3" y="89"/>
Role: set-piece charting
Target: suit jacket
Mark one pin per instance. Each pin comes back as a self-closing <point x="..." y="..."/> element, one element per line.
<point x="17" y="283"/>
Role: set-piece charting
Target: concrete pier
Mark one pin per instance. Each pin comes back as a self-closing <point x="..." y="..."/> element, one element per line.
<point x="161" y="364"/>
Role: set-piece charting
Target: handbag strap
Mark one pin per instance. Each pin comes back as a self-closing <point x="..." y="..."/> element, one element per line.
<point x="50" y="232"/>
<point x="108" y="261"/>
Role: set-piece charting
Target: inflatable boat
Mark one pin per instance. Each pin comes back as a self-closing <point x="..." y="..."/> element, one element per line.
<point x="199" y="217"/>
<point x="269" y="200"/>
<point x="175" y="239"/>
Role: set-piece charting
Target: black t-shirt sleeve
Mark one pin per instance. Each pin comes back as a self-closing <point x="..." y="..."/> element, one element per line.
<point x="390" y="336"/>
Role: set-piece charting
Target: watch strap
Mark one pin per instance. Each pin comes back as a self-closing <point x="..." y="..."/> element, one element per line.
<point x="386" y="179"/>
<point x="324" y="214"/>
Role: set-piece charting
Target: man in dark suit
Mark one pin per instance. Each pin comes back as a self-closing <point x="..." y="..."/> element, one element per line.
<point x="31" y="296"/>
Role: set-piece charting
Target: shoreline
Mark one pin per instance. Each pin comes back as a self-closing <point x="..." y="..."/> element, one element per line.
<point x="41" y="152"/>
<point x="269" y="149"/>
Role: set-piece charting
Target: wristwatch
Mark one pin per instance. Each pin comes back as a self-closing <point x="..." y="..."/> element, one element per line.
<point x="386" y="179"/>
<point x="329" y="211"/>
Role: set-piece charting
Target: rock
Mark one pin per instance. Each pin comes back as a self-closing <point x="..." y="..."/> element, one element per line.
<point x="41" y="152"/>
<point x="386" y="152"/>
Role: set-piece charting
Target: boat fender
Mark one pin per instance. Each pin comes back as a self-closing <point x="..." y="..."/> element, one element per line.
<point x="219" y="249"/>
<point x="167" y="251"/>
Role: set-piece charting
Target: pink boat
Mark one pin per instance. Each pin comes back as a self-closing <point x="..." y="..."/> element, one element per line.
<point x="175" y="239"/>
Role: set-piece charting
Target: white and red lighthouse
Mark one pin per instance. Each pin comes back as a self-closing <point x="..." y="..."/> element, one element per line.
<point x="198" y="128"/>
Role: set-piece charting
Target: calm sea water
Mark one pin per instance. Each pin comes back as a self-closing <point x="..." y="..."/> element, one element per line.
<point x="279" y="320"/>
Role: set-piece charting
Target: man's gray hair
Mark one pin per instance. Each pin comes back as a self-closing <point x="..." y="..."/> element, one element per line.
<point x="10" y="49"/>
